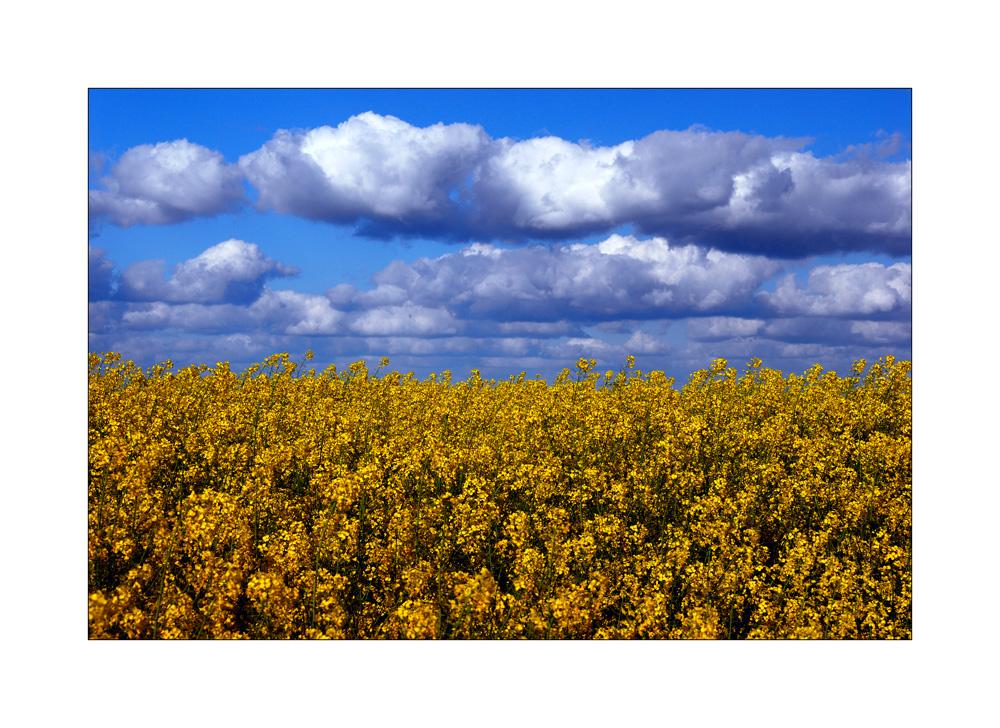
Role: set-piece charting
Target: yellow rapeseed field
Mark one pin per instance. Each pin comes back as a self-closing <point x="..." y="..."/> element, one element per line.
<point x="281" y="503"/>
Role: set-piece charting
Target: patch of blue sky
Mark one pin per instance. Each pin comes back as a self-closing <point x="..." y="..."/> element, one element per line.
<point x="238" y="121"/>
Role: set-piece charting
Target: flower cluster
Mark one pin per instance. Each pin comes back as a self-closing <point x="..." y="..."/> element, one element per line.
<point x="282" y="503"/>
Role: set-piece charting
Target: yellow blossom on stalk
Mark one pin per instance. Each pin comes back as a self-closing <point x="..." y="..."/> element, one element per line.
<point x="274" y="503"/>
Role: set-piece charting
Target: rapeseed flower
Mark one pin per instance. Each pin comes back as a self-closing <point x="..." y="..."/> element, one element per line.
<point x="278" y="503"/>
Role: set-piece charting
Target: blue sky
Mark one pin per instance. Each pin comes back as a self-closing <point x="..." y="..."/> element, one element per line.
<point x="504" y="230"/>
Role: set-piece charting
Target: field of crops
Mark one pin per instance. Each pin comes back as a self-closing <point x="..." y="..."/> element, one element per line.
<point x="283" y="503"/>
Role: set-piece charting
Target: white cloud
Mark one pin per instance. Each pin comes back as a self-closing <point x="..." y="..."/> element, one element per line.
<point x="317" y="317"/>
<point x="550" y="184"/>
<point x="735" y="191"/>
<point x="233" y="271"/>
<point x="341" y="295"/>
<point x="865" y="289"/>
<point x="167" y="183"/>
<point x="732" y="190"/>
<point x="621" y="277"/>
<point x="386" y="295"/>
<point x="407" y="319"/>
<point x="369" y="166"/>
<point x="804" y="204"/>
<point x="291" y="312"/>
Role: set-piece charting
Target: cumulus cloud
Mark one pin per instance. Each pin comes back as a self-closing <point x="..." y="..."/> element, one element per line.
<point x="167" y="183"/>
<point x="621" y="277"/>
<point x="866" y="289"/>
<point x="549" y="187"/>
<point x="370" y="166"/>
<point x="408" y="318"/>
<point x="795" y="204"/>
<point x="233" y="271"/>
<point x="296" y="313"/>
<point x="736" y="191"/>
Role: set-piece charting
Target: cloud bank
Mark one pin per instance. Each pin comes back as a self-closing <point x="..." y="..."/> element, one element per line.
<point x="621" y="277"/>
<point x="729" y="190"/>
<point x="533" y="306"/>
<point x="734" y="191"/>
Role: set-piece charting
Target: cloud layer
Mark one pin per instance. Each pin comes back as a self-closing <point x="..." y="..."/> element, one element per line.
<point x="621" y="277"/>
<point x="511" y="308"/>
<point x="733" y="191"/>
